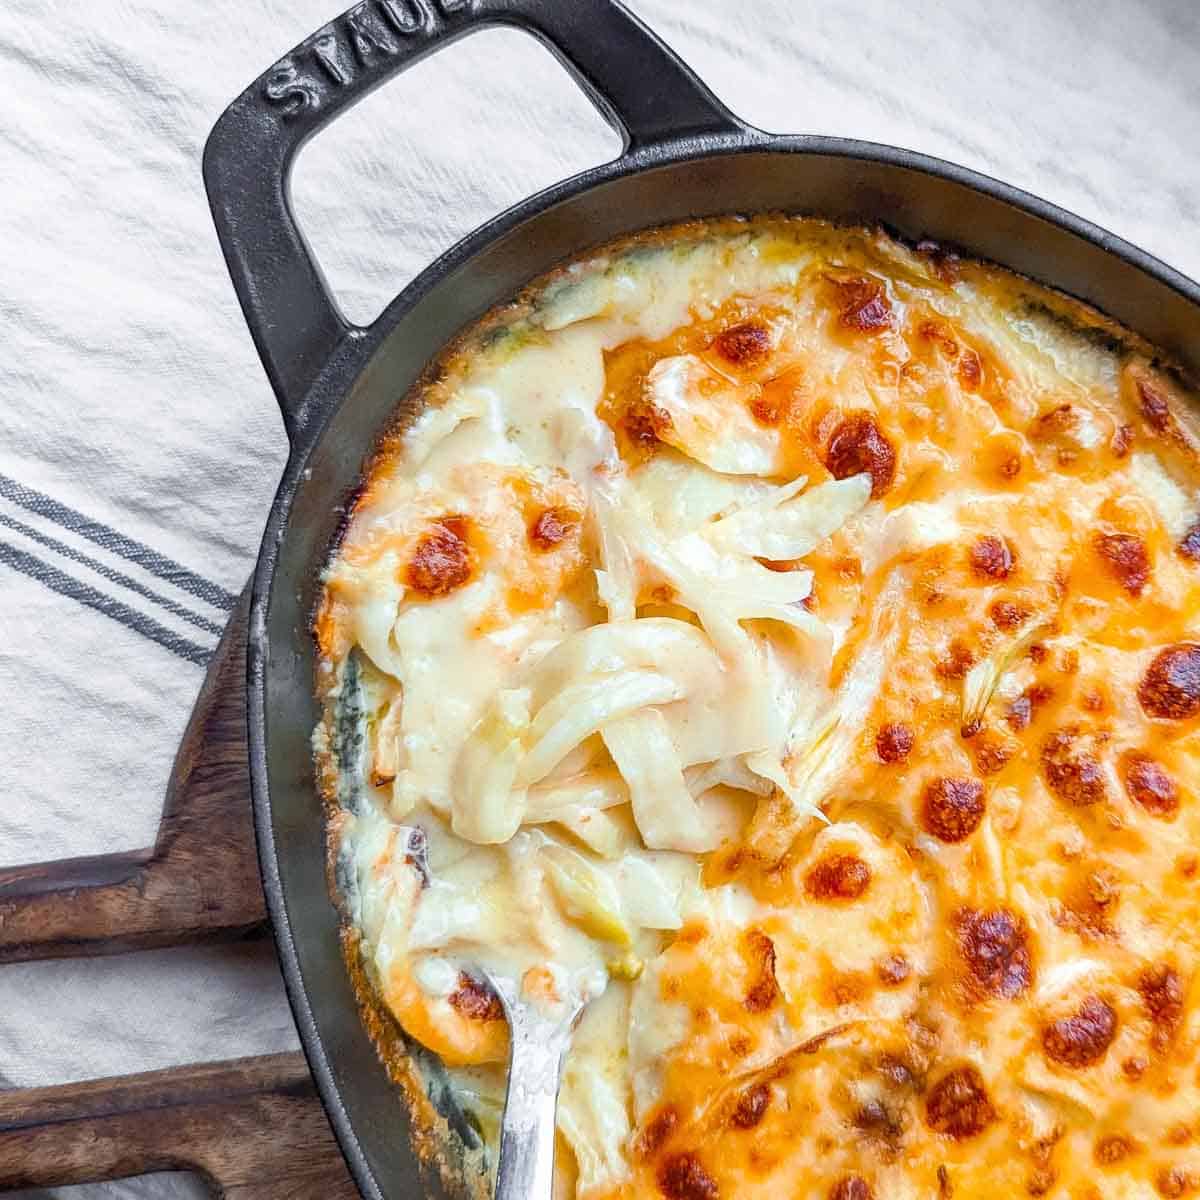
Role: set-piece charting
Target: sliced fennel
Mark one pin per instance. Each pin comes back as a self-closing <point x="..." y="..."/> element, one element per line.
<point x="587" y="896"/>
<point x="982" y="680"/>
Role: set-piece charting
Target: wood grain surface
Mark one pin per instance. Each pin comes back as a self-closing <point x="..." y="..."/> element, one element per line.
<point x="200" y="879"/>
<point x="253" y="1128"/>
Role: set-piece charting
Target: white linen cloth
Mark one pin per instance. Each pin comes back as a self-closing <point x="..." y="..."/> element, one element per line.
<point x="132" y="398"/>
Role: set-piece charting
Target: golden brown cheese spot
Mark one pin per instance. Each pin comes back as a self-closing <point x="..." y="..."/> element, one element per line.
<point x="952" y="807"/>
<point x="764" y="990"/>
<point x="992" y="754"/>
<point x="894" y="742"/>
<point x="441" y="561"/>
<point x="1134" y="1067"/>
<point x="1022" y="710"/>
<point x="844" y="987"/>
<point x="1041" y="1181"/>
<point x="858" y="445"/>
<point x="783" y="399"/>
<point x="551" y="527"/>
<point x="751" y="1106"/>
<point x="959" y="659"/>
<point x="992" y="558"/>
<point x="1179" y="1134"/>
<point x="657" y="1131"/>
<point x="683" y="1177"/>
<point x="1071" y="768"/>
<point x="900" y="1073"/>
<point x="1122" y="441"/>
<point x="939" y="334"/>
<point x="1019" y="714"/>
<point x="1008" y="615"/>
<point x="743" y="345"/>
<point x="1089" y="905"/>
<point x="1161" y="990"/>
<point x="851" y="1187"/>
<point x="329" y="628"/>
<point x="864" y="304"/>
<point x="839" y="877"/>
<point x="1189" y="545"/>
<point x="740" y="1045"/>
<point x="1173" y="1182"/>
<point x="1061" y="419"/>
<point x="476" y="1000"/>
<point x="893" y="970"/>
<point x="766" y="408"/>
<point x="880" y="1123"/>
<point x="644" y="423"/>
<point x="995" y="947"/>
<point x="1170" y="689"/>
<point x="1113" y="1148"/>
<point x="416" y="850"/>
<point x="943" y="260"/>
<point x="970" y="372"/>
<point x="1149" y="785"/>
<point x="1060" y="430"/>
<point x="1068" y="660"/>
<point x="1126" y="558"/>
<point x="540" y="984"/>
<point x="1155" y="407"/>
<point x="1082" y="1039"/>
<point x="958" y="1105"/>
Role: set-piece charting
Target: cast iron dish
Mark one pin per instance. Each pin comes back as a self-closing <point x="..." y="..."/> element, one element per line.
<point x="685" y="155"/>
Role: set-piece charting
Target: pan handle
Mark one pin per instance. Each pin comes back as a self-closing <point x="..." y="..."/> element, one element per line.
<point x="639" y="85"/>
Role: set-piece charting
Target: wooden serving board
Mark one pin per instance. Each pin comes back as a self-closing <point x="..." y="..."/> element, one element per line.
<point x="253" y="1128"/>
<point x="199" y="879"/>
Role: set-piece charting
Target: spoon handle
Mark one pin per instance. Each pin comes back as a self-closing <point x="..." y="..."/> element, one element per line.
<point x="539" y="1045"/>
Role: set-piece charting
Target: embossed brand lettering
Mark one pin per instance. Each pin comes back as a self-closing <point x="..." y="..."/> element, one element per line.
<point x="293" y="94"/>
<point x="406" y="16"/>
<point x="361" y="40"/>
<point x="326" y="48"/>
<point x="368" y="36"/>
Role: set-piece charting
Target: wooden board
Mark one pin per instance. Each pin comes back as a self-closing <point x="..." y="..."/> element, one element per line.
<point x="253" y="1128"/>
<point x="198" y="881"/>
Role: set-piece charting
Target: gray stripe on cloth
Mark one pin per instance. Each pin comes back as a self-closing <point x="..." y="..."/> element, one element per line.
<point x="65" y="585"/>
<point x="112" y="576"/>
<point x="154" y="562"/>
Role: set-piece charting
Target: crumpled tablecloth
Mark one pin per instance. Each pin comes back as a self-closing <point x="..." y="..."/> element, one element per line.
<point x="140" y="444"/>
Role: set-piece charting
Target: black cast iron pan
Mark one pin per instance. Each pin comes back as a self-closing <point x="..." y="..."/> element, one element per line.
<point x="684" y="155"/>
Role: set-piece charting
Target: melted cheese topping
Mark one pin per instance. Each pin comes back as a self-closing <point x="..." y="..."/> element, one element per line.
<point x="793" y="638"/>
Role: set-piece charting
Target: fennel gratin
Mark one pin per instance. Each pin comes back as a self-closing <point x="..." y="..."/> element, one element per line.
<point x="794" y="636"/>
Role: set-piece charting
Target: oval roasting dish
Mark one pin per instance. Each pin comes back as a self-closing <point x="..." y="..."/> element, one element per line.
<point x="685" y="155"/>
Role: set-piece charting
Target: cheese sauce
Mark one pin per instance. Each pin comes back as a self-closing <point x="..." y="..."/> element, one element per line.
<point x="793" y="638"/>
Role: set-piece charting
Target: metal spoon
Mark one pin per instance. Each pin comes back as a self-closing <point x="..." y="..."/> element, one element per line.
<point x="538" y="1045"/>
